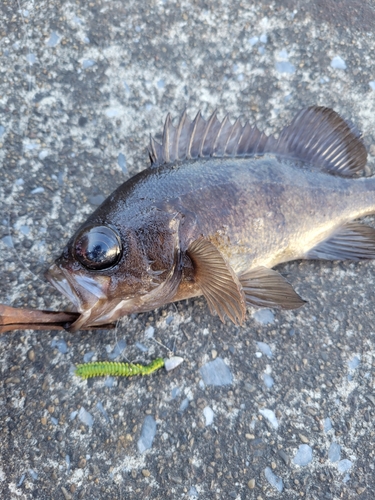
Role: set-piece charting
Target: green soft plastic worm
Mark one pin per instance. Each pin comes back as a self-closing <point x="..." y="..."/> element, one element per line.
<point x="104" y="368"/>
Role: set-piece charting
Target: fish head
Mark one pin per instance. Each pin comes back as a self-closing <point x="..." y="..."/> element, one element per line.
<point x="112" y="266"/>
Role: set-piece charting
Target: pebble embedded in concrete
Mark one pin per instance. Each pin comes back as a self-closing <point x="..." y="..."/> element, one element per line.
<point x="61" y="345"/>
<point x="117" y="350"/>
<point x="147" y="434"/>
<point x="264" y="316"/>
<point x="274" y="480"/>
<point x="87" y="357"/>
<point x="121" y="161"/>
<point x="334" y="452"/>
<point x="30" y="58"/>
<point x="25" y="230"/>
<point x="216" y="372"/>
<point x="285" y="67"/>
<point x="33" y="474"/>
<point x="344" y="465"/>
<point x="268" y="380"/>
<point x="87" y="63"/>
<point x="22" y="478"/>
<point x="338" y="63"/>
<point x="354" y="362"/>
<point x="265" y="349"/>
<point x="327" y="424"/>
<point x="208" y="415"/>
<point x="304" y="455"/>
<point x="270" y="416"/>
<point x="141" y="347"/>
<point x="53" y="40"/>
<point x="149" y="332"/>
<point x="85" y="417"/>
<point x="8" y="241"/>
<point x="184" y="404"/>
<point x="109" y="382"/>
<point x="175" y="392"/>
<point x="193" y="493"/>
<point x="37" y="190"/>
<point x="96" y="199"/>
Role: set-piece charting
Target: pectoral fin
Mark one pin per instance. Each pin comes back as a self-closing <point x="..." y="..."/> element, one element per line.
<point x="218" y="282"/>
<point x="353" y="241"/>
<point x="265" y="287"/>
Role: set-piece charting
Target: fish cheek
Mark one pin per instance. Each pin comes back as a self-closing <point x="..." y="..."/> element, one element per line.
<point x="149" y="254"/>
<point x="125" y="284"/>
<point x="159" y="239"/>
<point x="129" y="275"/>
<point x="160" y="249"/>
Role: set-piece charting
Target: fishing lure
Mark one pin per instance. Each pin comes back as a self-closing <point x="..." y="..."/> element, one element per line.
<point x="104" y="368"/>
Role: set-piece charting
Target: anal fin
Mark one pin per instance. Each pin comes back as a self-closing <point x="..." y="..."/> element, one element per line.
<point x="265" y="287"/>
<point x="218" y="282"/>
<point x="353" y="241"/>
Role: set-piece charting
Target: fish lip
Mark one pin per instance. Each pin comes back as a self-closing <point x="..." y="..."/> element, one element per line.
<point x="58" y="279"/>
<point x="83" y="291"/>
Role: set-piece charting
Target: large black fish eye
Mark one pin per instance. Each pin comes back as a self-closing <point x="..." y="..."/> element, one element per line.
<point x="98" y="247"/>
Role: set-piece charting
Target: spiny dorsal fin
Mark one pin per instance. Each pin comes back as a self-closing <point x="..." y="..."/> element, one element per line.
<point x="204" y="139"/>
<point x="317" y="136"/>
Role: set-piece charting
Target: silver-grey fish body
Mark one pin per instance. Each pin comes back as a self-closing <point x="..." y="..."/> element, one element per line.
<point x="267" y="210"/>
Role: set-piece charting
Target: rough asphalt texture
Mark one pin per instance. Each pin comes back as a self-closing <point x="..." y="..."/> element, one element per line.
<point x="82" y="86"/>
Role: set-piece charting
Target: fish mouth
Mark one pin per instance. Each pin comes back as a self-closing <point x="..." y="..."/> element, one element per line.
<point x="88" y="295"/>
<point x="57" y="279"/>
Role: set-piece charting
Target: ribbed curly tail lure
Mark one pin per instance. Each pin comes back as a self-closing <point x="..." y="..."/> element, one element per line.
<point x="105" y="368"/>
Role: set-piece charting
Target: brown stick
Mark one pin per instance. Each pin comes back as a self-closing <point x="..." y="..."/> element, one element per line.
<point x="12" y="318"/>
<point x="11" y="315"/>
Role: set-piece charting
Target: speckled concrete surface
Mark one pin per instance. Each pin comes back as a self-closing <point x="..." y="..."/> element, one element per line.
<point x="82" y="86"/>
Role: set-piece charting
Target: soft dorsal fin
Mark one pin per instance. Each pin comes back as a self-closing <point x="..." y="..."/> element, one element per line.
<point x="317" y="136"/>
<point x="320" y="137"/>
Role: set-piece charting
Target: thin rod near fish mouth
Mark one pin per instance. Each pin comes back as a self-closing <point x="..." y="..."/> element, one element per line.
<point x="12" y="318"/>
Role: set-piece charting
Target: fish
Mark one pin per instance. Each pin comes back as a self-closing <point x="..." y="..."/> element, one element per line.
<point x="220" y="205"/>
